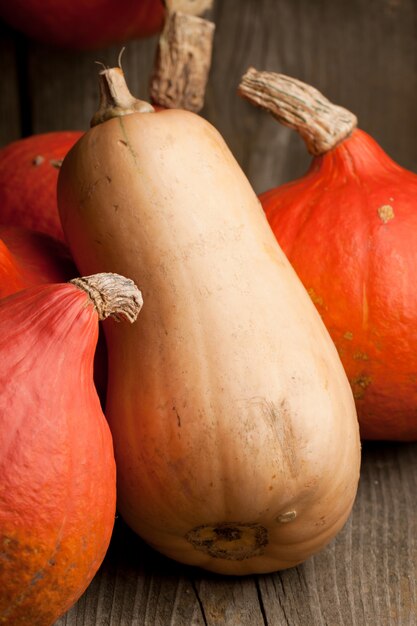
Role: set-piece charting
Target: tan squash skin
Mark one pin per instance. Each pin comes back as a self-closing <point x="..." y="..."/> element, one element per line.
<point x="235" y="430"/>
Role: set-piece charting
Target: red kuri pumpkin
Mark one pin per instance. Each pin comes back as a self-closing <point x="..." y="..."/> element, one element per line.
<point x="29" y="258"/>
<point x="349" y="228"/>
<point x="57" y="489"/>
<point x="37" y="258"/>
<point x="28" y="179"/>
<point x="83" y="25"/>
<point x="11" y="279"/>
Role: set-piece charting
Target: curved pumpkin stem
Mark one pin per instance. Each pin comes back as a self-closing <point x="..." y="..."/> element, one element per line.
<point x="320" y="123"/>
<point x="113" y="295"/>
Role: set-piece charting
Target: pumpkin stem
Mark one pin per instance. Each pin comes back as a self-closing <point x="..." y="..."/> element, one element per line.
<point x="115" y="97"/>
<point x="320" y="123"/>
<point x="112" y="295"/>
<point x="183" y="59"/>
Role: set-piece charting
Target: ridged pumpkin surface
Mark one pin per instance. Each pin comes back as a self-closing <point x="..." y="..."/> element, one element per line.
<point x="57" y="488"/>
<point x="349" y="228"/>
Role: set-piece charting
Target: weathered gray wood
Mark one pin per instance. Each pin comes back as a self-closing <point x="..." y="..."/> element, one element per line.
<point x="65" y="85"/>
<point x="367" y="576"/>
<point x="360" y="54"/>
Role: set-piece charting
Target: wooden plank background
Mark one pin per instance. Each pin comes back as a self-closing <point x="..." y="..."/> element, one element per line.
<point x="363" y="55"/>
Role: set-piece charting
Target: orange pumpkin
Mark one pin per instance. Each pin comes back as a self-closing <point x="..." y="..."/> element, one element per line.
<point x="29" y="258"/>
<point x="83" y="25"/>
<point x="58" y="483"/>
<point x="36" y="258"/>
<point x="28" y="178"/>
<point x="349" y="228"/>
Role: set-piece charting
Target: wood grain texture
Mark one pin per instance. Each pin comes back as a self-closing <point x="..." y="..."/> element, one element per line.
<point x="360" y="54"/>
<point x="367" y="576"/>
<point x="65" y="84"/>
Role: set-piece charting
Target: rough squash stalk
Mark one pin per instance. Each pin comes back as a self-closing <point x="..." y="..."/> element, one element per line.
<point x="235" y="431"/>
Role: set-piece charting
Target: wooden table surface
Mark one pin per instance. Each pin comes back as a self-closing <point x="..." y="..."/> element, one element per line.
<point x="362" y="55"/>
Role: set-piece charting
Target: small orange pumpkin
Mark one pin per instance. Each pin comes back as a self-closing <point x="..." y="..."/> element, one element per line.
<point x="28" y="178"/>
<point x="349" y="228"/>
<point x="83" y="25"/>
<point x="58" y="483"/>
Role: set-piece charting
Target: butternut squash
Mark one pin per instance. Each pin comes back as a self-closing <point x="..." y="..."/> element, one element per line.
<point x="235" y="432"/>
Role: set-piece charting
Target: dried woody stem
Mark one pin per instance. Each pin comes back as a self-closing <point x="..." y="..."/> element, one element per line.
<point x="115" y="97"/>
<point x="320" y="123"/>
<point x="183" y="56"/>
<point x="112" y="295"/>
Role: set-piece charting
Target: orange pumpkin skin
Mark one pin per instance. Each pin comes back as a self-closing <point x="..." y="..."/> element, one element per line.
<point x="11" y="279"/>
<point x="29" y="258"/>
<point x="28" y="180"/>
<point x="37" y="258"/>
<point x="349" y="229"/>
<point x="57" y="493"/>
<point x="83" y="25"/>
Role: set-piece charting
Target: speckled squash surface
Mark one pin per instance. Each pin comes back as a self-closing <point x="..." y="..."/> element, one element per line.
<point x="235" y="431"/>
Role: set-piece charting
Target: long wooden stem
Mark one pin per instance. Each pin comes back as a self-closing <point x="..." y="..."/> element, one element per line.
<point x="320" y="123"/>
<point x="182" y="61"/>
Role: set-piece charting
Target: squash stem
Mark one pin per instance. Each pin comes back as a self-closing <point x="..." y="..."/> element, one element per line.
<point x="320" y="123"/>
<point x="115" y="97"/>
<point x="113" y="295"/>
<point x="182" y="61"/>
